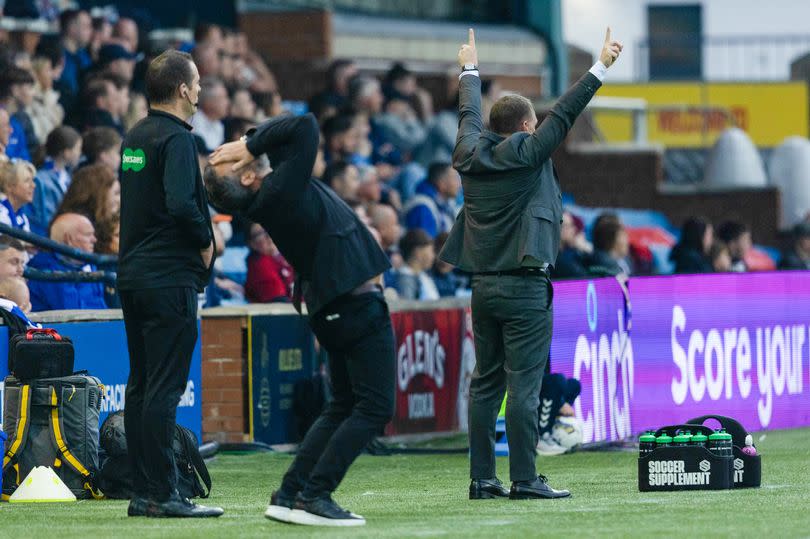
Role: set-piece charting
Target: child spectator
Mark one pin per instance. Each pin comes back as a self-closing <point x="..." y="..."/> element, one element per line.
<point x="63" y="149"/>
<point x="102" y="145"/>
<point x="737" y="238"/>
<point x="690" y="255"/>
<point x="413" y="281"/>
<point x="16" y="190"/>
<point x="269" y="276"/>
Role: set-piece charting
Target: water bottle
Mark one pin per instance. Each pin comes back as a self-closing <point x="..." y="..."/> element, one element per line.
<point x="646" y="444"/>
<point x="749" y="448"/>
<point x="682" y="439"/>
<point x="700" y="439"/>
<point x="664" y="440"/>
<point x="714" y="443"/>
<point x="726" y="444"/>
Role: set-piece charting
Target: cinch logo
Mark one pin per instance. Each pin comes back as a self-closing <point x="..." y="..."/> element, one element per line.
<point x="133" y="160"/>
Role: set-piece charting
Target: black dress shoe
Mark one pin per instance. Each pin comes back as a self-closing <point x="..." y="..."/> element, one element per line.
<point x="486" y="489"/>
<point x="137" y="507"/>
<point x="530" y="490"/>
<point x="178" y="507"/>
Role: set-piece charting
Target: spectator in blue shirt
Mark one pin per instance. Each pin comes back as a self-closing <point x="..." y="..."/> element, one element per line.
<point x="10" y="79"/>
<point x="432" y="208"/>
<point x="76" y="30"/>
<point x="16" y="191"/>
<point x="63" y="149"/>
<point x="75" y="231"/>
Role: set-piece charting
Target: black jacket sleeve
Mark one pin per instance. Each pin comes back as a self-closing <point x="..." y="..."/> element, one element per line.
<point x="470" y="123"/>
<point x="180" y="172"/>
<point x="291" y="143"/>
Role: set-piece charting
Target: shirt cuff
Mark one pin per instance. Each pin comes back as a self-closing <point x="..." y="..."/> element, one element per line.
<point x="471" y="72"/>
<point x="599" y="70"/>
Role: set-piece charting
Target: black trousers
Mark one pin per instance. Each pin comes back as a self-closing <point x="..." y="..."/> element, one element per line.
<point x="357" y="334"/>
<point x="512" y="322"/>
<point x="161" y="327"/>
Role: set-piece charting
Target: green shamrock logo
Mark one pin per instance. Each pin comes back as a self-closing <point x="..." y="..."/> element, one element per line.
<point x="133" y="159"/>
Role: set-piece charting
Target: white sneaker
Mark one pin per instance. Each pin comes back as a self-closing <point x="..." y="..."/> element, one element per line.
<point x="548" y="446"/>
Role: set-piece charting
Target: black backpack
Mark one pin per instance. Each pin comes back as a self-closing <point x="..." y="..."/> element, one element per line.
<point x="115" y="477"/>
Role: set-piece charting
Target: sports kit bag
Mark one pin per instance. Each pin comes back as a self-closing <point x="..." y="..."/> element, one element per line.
<point x="52" y="422"/>
<point x="115" y="477"/>
<point x="40" y="353"/>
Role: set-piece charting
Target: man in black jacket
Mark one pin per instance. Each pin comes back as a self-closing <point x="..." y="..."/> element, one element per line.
<point x="165" y="260"/>
<point x="338" y="267"/>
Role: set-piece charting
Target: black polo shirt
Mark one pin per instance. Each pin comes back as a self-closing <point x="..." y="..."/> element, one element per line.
<point x="164" y="208"/>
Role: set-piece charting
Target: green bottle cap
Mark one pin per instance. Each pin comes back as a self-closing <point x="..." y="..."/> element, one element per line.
<point x="715" y="436"/>
<point x="664" y="439"/>
<point x="682" y="438"/>
<point x="724" y="435"/>
<point x="647" y="437"/>
<point x="699" y="437"/>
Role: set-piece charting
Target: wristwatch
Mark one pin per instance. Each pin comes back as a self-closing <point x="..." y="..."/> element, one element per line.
<point x="469" y="67"/>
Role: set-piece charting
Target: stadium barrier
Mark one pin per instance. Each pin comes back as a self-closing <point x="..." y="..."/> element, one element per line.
<point x="682" y="346"/>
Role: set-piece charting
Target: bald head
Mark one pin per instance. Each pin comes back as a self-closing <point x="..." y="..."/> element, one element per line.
<point x="384" y="218"/>
<point x="74" y="230"/>
<point x="15" y="289"/>
<point x="126" y="30"/>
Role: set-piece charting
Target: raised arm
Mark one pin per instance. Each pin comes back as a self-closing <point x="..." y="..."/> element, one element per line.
<point x="537" y="148"/>
<point x="470" y="123"/>
<point x="291" y="143"/>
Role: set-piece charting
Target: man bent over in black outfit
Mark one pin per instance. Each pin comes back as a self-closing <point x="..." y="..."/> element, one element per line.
<point x="338" y="266"/>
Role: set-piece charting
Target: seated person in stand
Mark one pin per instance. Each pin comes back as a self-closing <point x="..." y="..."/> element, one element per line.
<point x="75" y="231"/>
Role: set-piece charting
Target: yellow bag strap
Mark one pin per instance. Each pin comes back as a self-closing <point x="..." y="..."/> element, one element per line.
<point x="58" y="438"/>
<point x="56" y="430"/>
<point x="22" y="426"/>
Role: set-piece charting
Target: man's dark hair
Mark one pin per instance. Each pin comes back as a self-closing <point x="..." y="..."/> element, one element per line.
<point x="117" y="80"/>
<point x="7" y="242"/>
<point x="17" y="75"/>
<point x="226" y="193"/>
<point x="66" y="18"/>
<point x="731" y="230"/>
<point x="605" y="234"/>
<point x="202" y="30"/>
<point x="436" y="171"/>
<point x="98" y="140"/>
<point x="692" y="233"/>
<point x="334" y="67"/>
<point x="334" y="171"/>
<point x="62" y="138"/>
<point x="51" y="49"/>
<point x="97" y="87"/>
<point x="337" y="125"/>
<point x="413" y="240"/>
<point x="508" y="113"/>
<point x="165" y="74"/>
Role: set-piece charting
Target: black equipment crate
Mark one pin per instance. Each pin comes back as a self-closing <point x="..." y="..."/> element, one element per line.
<point x="684" y="468"/>
<point x="695" y="467"/>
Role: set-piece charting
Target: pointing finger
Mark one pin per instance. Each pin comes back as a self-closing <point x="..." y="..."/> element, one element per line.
<point x="607" y="35"/>
<point x="471" y="39"/>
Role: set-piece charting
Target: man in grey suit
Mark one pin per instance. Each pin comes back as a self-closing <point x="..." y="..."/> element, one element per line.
<point x="507" y="236"/>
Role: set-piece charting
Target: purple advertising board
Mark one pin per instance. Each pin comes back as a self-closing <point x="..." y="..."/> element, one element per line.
<point x="685" y="346"/>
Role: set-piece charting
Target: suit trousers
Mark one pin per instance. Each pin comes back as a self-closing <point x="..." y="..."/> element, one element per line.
<point x="357" y="334"/>
<point x="512" y="321"/>
<point x="161" y="326"/>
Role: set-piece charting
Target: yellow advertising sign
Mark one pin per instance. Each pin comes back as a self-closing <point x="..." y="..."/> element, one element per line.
<point x="768" y="112"/>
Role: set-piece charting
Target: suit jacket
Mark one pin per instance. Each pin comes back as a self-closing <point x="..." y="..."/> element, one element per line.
<point x="512" y="199"/>
<point x="328" y="246"/>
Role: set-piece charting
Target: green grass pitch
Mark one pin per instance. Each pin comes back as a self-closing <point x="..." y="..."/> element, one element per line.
<point x="426" y="496"/>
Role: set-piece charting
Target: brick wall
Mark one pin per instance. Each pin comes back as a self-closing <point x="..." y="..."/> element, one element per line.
<point x="224" y="379"/>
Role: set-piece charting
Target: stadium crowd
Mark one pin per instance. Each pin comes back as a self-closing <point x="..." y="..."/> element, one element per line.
<point x="67" y="99"/>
